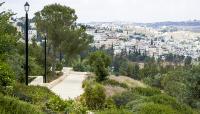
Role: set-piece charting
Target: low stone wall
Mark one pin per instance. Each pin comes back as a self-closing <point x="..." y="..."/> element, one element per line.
<point x="39" y="79"/>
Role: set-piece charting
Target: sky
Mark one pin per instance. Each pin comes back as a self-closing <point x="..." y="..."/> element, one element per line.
<point x="117" y="10"/>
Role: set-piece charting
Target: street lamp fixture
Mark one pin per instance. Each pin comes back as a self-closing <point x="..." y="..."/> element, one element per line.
<point x="26" y="8"/>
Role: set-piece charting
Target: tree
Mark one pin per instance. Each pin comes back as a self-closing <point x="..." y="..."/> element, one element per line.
<point x="8" y="41"/>
<point x="188" y="61"/>
<point x="130" y="70"/>
<point x="136" y="70"/>
<point x="64" y="36"/>
<point x="8" y="35"/>
<point x="100" y="62"/>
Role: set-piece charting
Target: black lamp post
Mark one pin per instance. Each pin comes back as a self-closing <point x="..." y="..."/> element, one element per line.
<point x="26" y="8"/>
<point x="45" y="59"/>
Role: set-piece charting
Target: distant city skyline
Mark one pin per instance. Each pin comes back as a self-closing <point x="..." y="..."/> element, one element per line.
<point x="143" y="11"/>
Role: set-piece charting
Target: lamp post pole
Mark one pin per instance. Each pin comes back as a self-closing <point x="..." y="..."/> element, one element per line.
<point x="26" y="48"/>
<point x="45" y="59"/>
<point x="26" y="7"/>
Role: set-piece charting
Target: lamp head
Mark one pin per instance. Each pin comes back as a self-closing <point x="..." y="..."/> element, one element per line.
<point x="26" y="7"/>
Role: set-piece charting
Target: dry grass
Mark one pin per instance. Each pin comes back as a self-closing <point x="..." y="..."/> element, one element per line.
<point x="129" y="81"/>
<point x="113" y="90"/>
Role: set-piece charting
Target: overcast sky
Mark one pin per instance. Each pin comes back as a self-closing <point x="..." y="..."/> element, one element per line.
<point x="117" y="10"/>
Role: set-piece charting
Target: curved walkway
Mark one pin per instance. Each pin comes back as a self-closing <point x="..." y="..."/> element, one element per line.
<point x="71" y="85"/>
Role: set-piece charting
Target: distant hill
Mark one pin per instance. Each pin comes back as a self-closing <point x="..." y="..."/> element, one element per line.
<point x="169" y="23"/>
<point x="182" y="25"/>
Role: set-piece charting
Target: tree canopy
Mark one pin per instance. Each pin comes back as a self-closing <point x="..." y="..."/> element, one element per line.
<point x="64" y="37"/>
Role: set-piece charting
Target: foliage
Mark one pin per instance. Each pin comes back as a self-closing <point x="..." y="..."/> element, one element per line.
<point x="78" y="108"/>
<point x="146" y="91"/>
<point x="100" y="62"/>
<point x="122" y="99"/>
<point x="63" y="35"/>
<point x="94" y="96"/>
<point x="33" y="94"/>
<point x="56" y="104"/>
<point x="174" y="84"/>
<point x="81" y="65"/>
<point x="188" y="61"/>
<point x="59" y="67"/>
<point x="114" y="83"/>
<point x="114" y="111"/>
<point x="159" y="103"/>
<point x="184" y="85"/>
<point x="151" y="108"/>
<point x="6" y="75"/>
<point x="34" y="68"/>
<point x="9" y="105"/>
<point x="16" y="63"/>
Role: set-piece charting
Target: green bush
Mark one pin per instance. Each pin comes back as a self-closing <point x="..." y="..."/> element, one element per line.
<point x="146" y="91"/>
<point x="81" y="67"/>
<point x="152" y="108"/>
<point x="94" y="96"/>
<point x="175" y="84"/>
<point x="6" y="75"/>
<point x="34" y="68"/>
<point x="154" y="81"/>
<point x="168" y="100"/>
<point x="59" y="66"/>
<point x="100" y="62"/>
<point x="122" y="99"/>
<point x="34" y="94"/>
<point x="114" y="111"/>
<point x="114" y="83"/>
<point x="162" y="100"/>
<point x="10" y="105"/>
<point x="56" y="104"/>
<point x="78" y="108"/>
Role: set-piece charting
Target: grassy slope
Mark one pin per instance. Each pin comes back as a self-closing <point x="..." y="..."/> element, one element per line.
<point x="11" y="105"/>
<point x="119" y="84"/>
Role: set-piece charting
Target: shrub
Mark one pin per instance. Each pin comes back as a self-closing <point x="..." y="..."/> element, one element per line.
<point x="34" y="94"/>
<point x="56" y="104"/>
<point x="81" y="67"/>
<point x="146" y="91"/>
<point x="162" y="100"/>
<point x="154" y="81"/>
<point x="34" y="68"/>
<point x="152" y="108"/>
<point x="122" y="99"/>
<point x="10" y="105"/>
<point x="114" y="111"/>
<point x="114" y="83"/>
<point x="6" y="75"/>
<point x="167" y="100"/>
<point x="94" y="96"/>
<point x="78" y="108"/>
<point x="59" y="66"/>
<point x="110" y="104"/>
<point x="174" y="84"/>
<point x="100" y="62"/>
